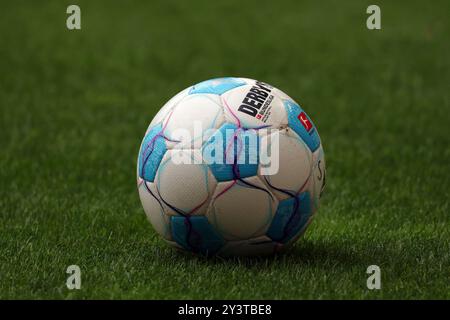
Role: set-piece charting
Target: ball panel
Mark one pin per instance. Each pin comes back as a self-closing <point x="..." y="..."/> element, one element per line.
<point x="302" y="124"/>
<point x="196" y="234"/>
<point x="154" y="210"/>
<point x="152" y="150"/>
<point x="232" y="153"/>
<point x="217" y="86"/>
<point x="294" y="163"/>
<point x="243" y="209"/>
<point x="291" y="216"/>
<point x="248" y="80"/>
<point x="185" y="188"/>
<point x="194" y="116"/>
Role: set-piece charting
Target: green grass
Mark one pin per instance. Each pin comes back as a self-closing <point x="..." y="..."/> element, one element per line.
<point x="75" y="105"/>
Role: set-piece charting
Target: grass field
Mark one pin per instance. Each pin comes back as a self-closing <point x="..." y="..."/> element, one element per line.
<point x="75" y="106"/>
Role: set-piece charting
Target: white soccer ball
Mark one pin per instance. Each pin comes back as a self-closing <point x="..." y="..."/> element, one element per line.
<point x="231" y="166"/>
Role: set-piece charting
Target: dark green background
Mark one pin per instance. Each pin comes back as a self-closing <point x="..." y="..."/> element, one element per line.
<point x="75" y="105"/>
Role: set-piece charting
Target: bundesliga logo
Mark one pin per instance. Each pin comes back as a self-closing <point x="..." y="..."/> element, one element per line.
<point x="306" y="123"/>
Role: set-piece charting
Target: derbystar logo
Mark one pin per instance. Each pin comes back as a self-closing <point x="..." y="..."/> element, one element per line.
<point x="305" y="121"/>
<point x="255" y="99"/>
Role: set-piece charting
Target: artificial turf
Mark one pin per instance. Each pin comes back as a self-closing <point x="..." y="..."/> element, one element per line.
<point x="75" y="106"/>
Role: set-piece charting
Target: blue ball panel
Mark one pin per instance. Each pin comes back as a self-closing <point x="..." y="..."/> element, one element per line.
<point x="152" y="151"/>
<point x="217" y="86"/>
<point x="196" y="234"/>
<point x="302" y="125"/>
<point x="288" y="222"/>
<point x="246" y="161"/>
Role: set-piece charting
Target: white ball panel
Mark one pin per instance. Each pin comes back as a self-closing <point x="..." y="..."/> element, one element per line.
<point x="192" y="116"/>
<point x="155" y="214"/>
<point x="241" y="212"/>
<point x="295" y="163"/>
<point x="185" y="186"/>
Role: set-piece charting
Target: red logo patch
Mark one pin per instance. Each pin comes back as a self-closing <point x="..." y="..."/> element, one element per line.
<point x="305" y="121"/>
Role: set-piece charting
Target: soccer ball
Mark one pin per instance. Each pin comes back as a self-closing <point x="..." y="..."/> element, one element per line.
<point x="231" y="166"/>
